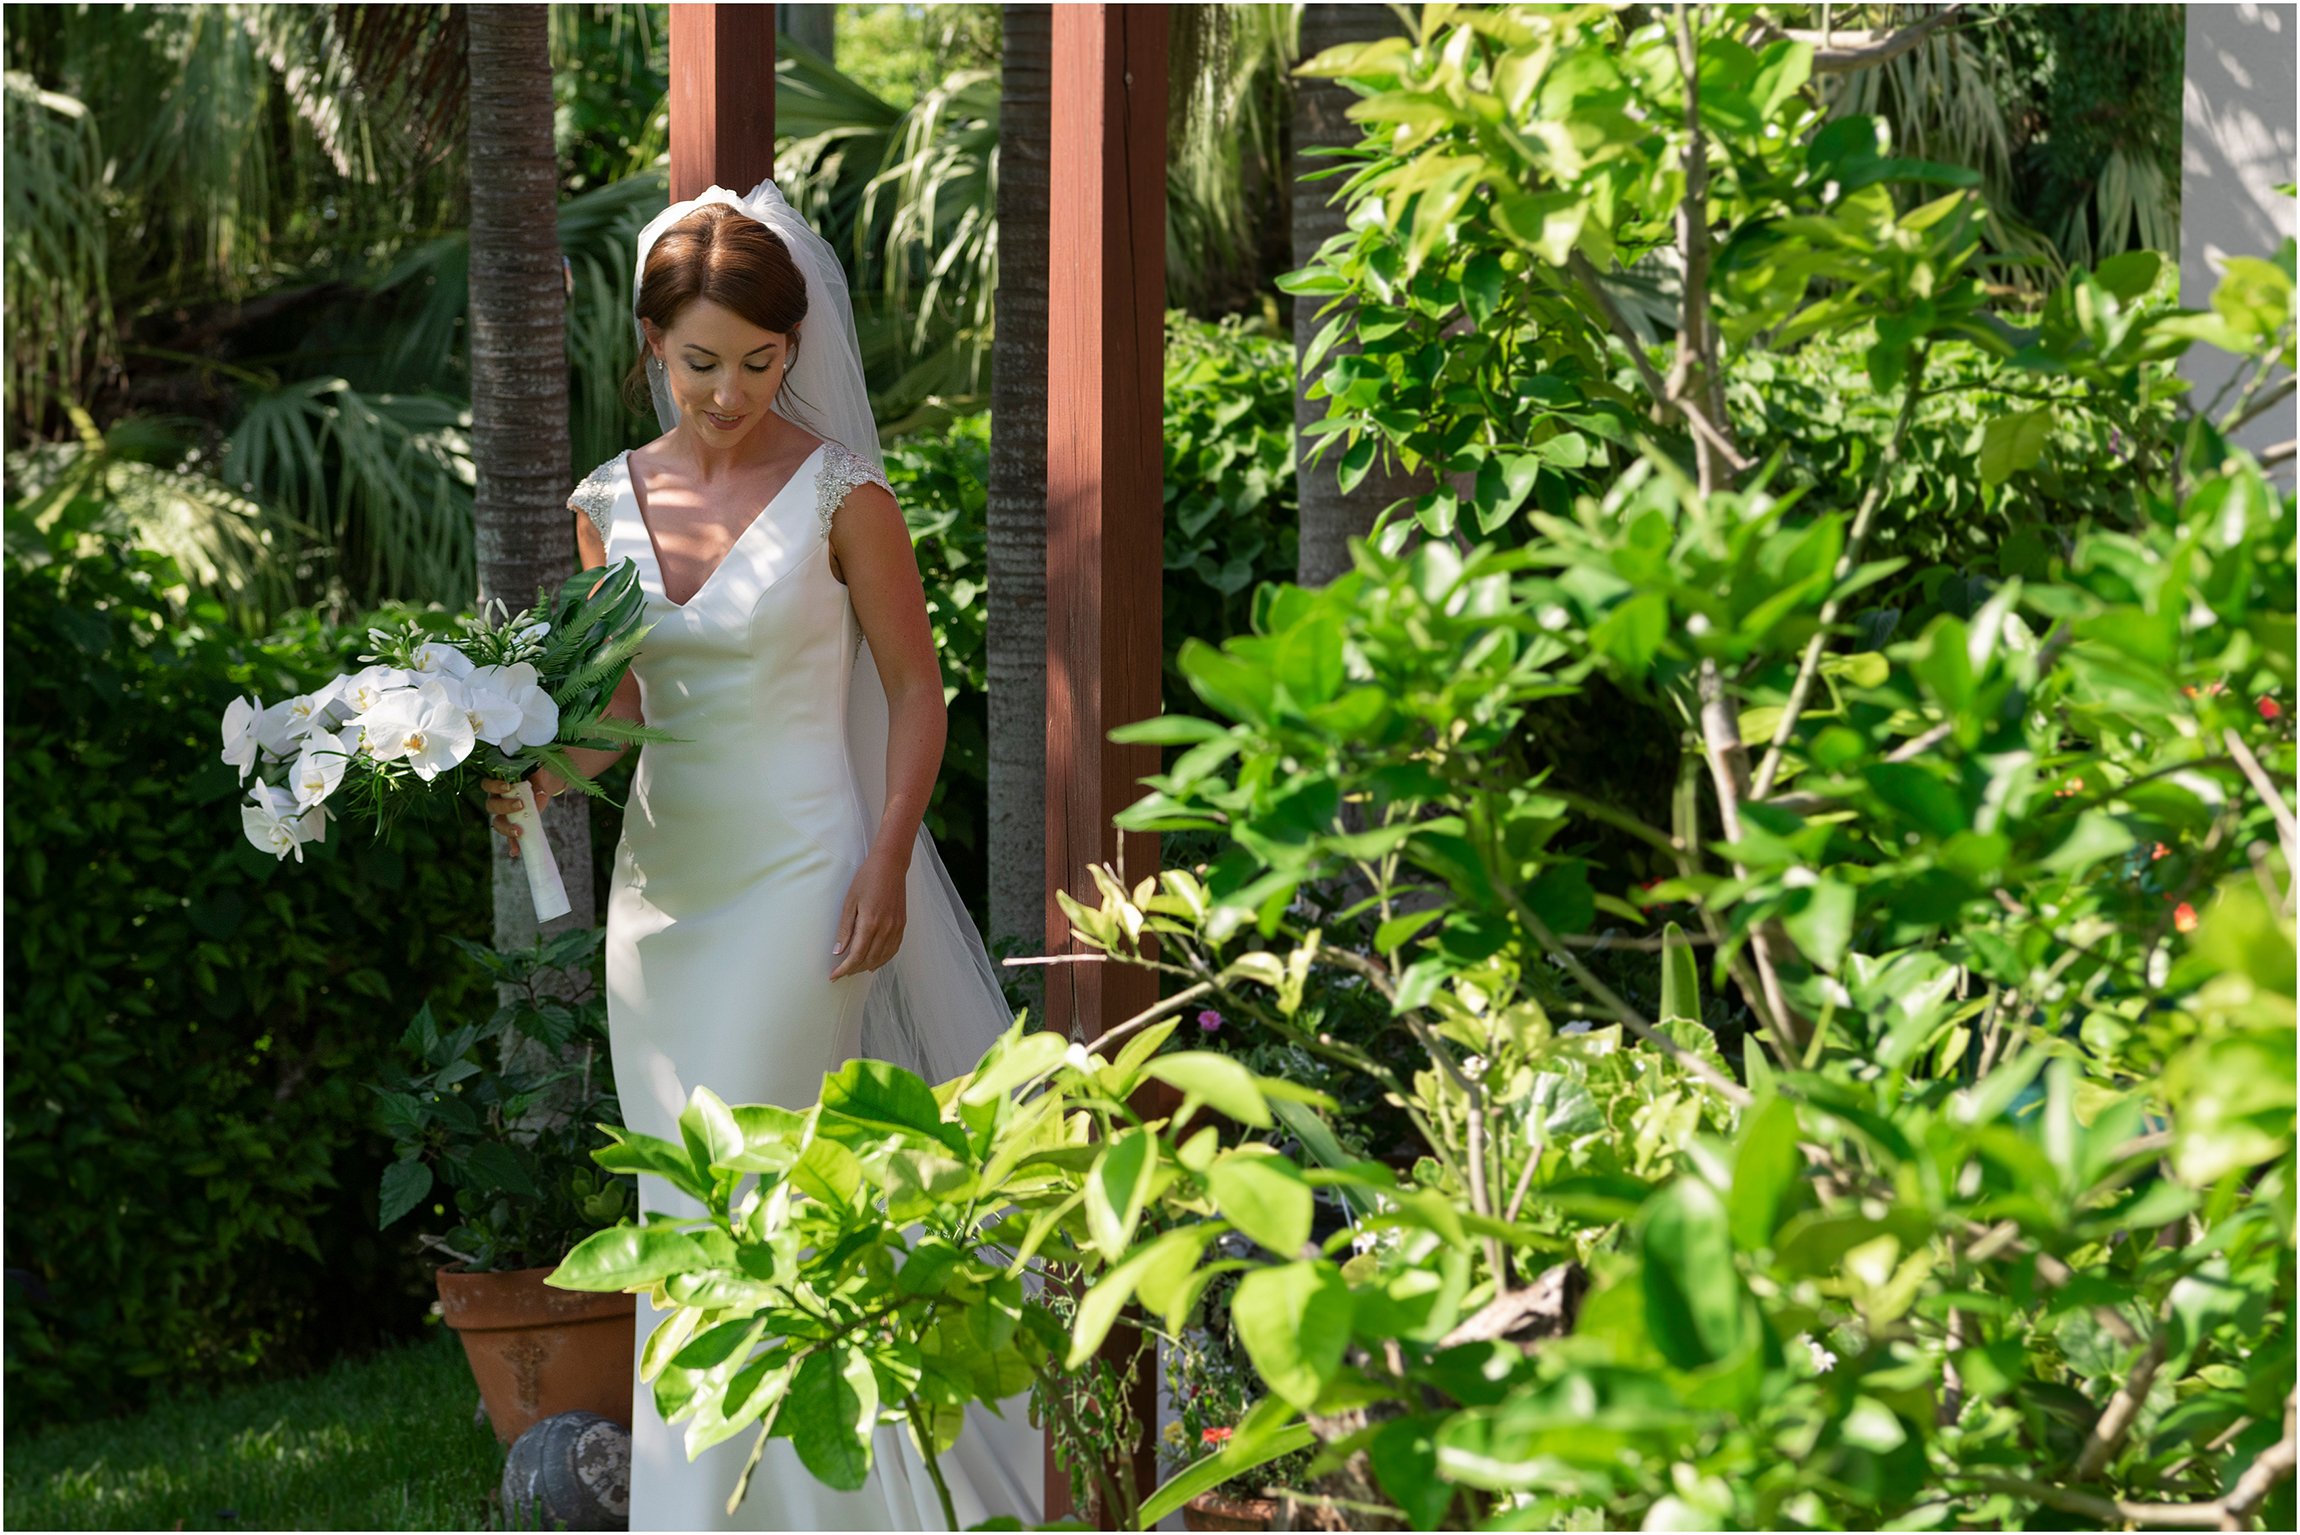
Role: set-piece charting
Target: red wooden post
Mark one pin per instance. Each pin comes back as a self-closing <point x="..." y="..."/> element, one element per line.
<point x="1105" y="335"/>
<point x="722" y="97"/>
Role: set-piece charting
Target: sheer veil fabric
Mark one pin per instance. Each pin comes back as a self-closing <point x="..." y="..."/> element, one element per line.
<point x="936" y="1006"/>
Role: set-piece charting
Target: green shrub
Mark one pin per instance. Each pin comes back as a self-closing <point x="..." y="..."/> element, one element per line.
<point x="1938" y="1174"/>
<point x="191" y="1155"/>
<point x="494" y="1120"/>
<point x="1232" y="516"/>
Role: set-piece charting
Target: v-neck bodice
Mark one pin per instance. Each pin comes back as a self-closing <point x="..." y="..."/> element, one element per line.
<point x="751" y="673"/>
<point x="801" y="477"/>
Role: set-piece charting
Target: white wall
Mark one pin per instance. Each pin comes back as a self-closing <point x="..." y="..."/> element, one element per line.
<point x="2237" y="147"/>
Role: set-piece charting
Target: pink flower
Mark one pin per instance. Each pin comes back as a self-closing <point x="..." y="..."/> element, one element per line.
<point x="1216" y="1435"/>
<point x="1210" y="1022"/>
<point x="2270" y="709"/>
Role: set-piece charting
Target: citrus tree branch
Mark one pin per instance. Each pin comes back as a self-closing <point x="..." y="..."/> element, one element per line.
<point x="2287" y="829"/>
<point x="1698" y="422"/>
<point x="1629" y="1017"/>
<point x="1856" y="541"/>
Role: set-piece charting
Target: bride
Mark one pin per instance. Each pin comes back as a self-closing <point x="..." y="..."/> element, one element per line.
<point x="776" y="907"/>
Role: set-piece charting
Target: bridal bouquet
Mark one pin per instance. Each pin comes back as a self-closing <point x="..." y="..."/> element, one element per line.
<point x="506" y="696"/>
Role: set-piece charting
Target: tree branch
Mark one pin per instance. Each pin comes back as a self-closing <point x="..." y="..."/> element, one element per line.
<point x="1729" y="774"/>
<point x="2287" y="829"/>
<point x="1843" y="53"/>
<point x="2115" y="1421"/>
<point x="2252" y="1488"/>
<point x="1636" y="945"/>
<point x="2255" y="409"/>
<point x="1847" y="562"/>
<point x="1629" y="1017"/>
<point x="1551" y="1302"/>
<point x="2235" y="1510"/>
<point x="2168" y="1516"/>
<point x="1695" y="370"/>
<point x="1701" y="426"/>
<point x="1907" y="751"/>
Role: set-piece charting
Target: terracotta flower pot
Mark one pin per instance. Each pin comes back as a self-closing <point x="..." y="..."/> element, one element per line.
<point x="1212" y="1511"/>
<point x="536" y="1351"/>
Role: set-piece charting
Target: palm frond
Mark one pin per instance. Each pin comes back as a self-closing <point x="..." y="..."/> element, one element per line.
<point x="1943" y="101"/>
<point x="226" y="545"/>
<point x="929" y="216"/>
<point x="2131" y="208"/>
<point x="383" y="482"/>
<point x="1227" y="113"/>
<point x="412" y="66"/>
<point x="58" y="286"/>
<point x="598" y="231"/>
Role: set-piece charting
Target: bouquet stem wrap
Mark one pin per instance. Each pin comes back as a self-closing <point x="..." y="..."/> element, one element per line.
<point x="544" y="885"/>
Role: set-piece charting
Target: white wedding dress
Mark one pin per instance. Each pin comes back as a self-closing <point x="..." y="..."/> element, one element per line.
<point x="739" y="842"/>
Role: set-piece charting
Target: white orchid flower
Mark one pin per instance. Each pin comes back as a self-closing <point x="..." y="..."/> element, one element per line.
<point x="487" y="704"/>
<point x="368" y="686"/>
<point x="319" y="769"/>
<point x="276" y="731"/>
<point x="438" y="660"/>
<point x="273" y="823"/>
<point x="538" y="711"/>
<point x="310" y="711"/>
<point x="240" y="717"/>
<point x="426" y="725"/>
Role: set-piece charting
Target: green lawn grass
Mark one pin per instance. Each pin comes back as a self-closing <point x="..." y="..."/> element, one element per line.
<point x="383" y="1443"/>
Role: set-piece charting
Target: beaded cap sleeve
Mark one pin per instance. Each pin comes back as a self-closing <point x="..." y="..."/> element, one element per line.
<point x="841" y="472"/>
<point x="595" y="497"/>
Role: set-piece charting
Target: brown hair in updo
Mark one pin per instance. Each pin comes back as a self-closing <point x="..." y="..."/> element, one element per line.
<point x="731" y="259"/>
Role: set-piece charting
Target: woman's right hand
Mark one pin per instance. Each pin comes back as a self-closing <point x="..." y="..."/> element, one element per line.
<point x="503" y="799"/>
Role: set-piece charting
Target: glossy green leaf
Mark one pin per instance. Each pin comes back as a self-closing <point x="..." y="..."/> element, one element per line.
<point x="1294" y="1320"/>
<point x="832" y="1405"/>
<point x="1693" y="1293"/>
<point x="1680" y="976"/>
<point x="1116" y="1189"/>
<point x="1266" y="1198"/>
<point x="1219" y="1081"/>
<point x="624" y="1257"/>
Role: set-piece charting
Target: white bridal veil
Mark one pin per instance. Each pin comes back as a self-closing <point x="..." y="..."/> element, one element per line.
<point x="936" y="1006"/>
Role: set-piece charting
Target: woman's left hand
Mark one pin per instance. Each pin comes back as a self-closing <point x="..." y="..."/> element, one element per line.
<point x="871" y="920"/>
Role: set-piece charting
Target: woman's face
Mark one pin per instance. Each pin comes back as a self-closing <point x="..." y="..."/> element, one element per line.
<point x="723" y="370"/>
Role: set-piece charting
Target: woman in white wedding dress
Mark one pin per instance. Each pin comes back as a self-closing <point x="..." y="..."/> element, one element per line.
<point x="776" y="908"/>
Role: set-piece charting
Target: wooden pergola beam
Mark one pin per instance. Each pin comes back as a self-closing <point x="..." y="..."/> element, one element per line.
<point x="1105" y="502"/>
<point x="722" y="97"/>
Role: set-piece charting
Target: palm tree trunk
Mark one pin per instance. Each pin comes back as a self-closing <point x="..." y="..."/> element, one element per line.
<point x="812" y="25"/>
<point x="1329" y="518"/>
<point x="1015" y="552"/>
<point x="519" y="426"/>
